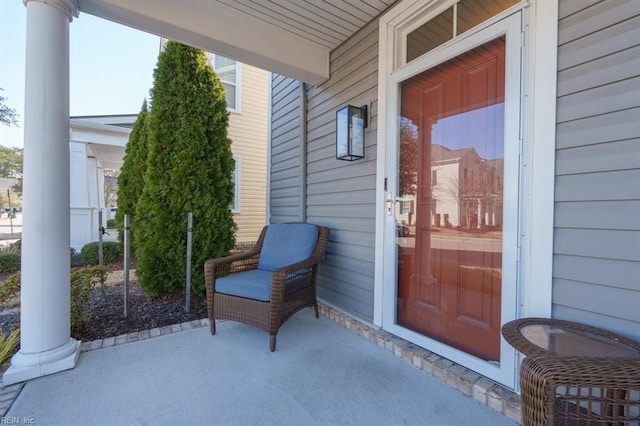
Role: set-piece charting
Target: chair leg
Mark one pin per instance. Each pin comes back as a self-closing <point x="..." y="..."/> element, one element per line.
<point x="212" y="326"/>
<point x="272" y="342"/>
<point x="316" y="309"/>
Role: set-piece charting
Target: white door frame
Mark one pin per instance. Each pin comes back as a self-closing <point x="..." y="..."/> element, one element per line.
<point x="533" y="287"/>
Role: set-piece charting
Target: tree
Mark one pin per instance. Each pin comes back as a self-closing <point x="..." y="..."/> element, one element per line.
<point x="110" y="187"/>
<point x="134" y="166"/>
<point x="7" y="115"/>
<point x="10" y="162"/>
<point x="11" y="166"/>
<point x="189" y="169"/>
<point x="408" y="157"/>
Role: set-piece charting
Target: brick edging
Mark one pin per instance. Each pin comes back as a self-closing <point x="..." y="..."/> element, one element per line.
<point x="470" y="383"/>
<point x="137" y="336"/>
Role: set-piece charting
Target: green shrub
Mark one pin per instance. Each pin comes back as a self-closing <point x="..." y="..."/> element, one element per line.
<point x="111" y="223"/>
<point x="111" y="252"/>
<point x="189" y="169"/>
<point x="8" y="344"/>
<point x="9" y="288"/>
<point x="131" y="178"/>
<point x="83" y="282"/>
<point x="15" y="247"/>
<point x="76" y="259"/>
<point x="9" y="262"/>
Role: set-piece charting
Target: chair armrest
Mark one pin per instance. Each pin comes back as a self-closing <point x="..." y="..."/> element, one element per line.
<point x="280" y="276"/>
<point x="237" y="262"/>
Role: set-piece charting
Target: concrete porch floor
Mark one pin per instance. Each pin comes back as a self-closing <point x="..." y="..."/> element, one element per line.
<point x="321" y="374"/>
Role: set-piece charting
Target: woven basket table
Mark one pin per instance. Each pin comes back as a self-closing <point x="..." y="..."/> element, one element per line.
<point x="575" y="374"/>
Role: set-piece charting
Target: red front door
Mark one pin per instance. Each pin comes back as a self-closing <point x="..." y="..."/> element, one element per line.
<point x="449" y="216"/>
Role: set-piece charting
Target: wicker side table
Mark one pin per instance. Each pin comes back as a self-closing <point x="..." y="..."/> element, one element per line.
<point x="580" y="390"/>
<point x="575" y="374"/>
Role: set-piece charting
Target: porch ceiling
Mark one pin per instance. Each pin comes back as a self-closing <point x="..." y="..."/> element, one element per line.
<point x="289" y="37"/>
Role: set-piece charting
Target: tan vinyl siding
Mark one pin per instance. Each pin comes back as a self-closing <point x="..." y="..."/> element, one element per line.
<point x="597" y="210"/>
<point x="248" y="132"/>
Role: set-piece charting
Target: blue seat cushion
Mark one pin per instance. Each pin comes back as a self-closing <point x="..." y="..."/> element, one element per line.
<point x="256" y="284"/>
<point x="287" y="243"/>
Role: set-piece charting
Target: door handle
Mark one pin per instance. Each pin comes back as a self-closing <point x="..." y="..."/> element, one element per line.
<point x="389" y="202"/>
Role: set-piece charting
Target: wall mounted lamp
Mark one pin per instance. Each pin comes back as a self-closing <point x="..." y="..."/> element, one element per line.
<point x="350" y="124"/>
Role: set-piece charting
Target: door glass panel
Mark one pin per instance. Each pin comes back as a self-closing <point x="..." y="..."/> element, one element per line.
<point x="450" y="195"/>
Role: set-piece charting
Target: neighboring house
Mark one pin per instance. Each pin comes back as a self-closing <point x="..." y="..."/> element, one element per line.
<point x="553" y="113"/>
<point x="98" y="143"/>
<point x="466" y="191"/>
<point x="247" y="91"/>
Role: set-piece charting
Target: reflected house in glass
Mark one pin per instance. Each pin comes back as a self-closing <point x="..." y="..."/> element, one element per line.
<point x="467" y="189"/>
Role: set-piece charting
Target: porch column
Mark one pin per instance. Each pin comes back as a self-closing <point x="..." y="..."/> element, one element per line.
<point x="45" y="343"/>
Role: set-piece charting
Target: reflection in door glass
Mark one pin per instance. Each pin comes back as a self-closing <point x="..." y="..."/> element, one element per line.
<point x="449" y="211"/>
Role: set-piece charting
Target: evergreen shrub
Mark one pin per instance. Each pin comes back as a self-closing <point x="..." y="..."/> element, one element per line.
<point x="111" y="252"/>
<point x="189" y="169"/>
<point x="132" y="172"/>
<point x="9" y="262"/>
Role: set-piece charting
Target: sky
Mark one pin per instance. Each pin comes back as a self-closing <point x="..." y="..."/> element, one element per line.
<point x="111" y="66"/>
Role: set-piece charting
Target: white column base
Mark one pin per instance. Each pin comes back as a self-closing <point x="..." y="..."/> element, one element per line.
<point x="30" y="366"/>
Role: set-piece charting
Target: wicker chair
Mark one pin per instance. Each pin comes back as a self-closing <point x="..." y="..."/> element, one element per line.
<point x="266" y="285"/>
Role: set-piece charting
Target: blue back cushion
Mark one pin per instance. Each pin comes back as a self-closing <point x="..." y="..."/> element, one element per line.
<point x="287" y="243"/>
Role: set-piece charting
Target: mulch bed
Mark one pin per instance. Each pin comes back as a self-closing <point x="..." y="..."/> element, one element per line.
<point x="105" y="312"/>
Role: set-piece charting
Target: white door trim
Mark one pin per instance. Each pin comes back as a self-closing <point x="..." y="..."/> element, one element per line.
<point x="539" y="71"/>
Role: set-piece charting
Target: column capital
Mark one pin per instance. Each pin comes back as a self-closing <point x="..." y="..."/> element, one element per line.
<point x="69" y="7"/>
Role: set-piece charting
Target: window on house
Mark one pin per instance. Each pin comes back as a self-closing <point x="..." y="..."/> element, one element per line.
<point x="406" y="207"/>
<point x="235" y="207"/>
<point x="228" y="71"/>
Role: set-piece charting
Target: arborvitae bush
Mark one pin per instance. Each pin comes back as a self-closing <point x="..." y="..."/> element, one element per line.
<point x="189" y="169"/>
<point x="111" y="252"/>
<point x="9" y="262"/>
<point x="131" y="178"/>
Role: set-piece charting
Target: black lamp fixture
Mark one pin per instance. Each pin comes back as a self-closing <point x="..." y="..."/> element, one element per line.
<point x="350" y="124"/>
